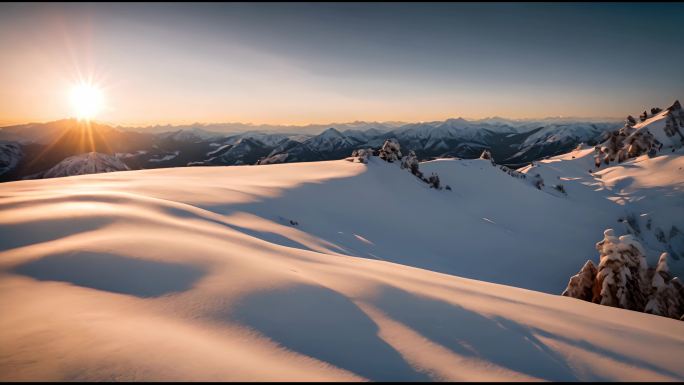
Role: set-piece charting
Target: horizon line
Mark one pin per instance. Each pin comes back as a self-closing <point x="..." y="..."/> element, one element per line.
<point x="307" y="125"/>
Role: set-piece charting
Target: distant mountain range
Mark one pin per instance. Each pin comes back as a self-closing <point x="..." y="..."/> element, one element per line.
<point x="32" y="149"/>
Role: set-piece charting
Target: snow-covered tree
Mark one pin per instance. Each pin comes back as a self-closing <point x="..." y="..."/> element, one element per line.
<point x="630" y="120"/>
<point x="610" y="149"/>
<point x="672" y="125"/>
<point x="581" y="285"/>
<point x="486" y="154"/>
<point x="410" y="162"/>
<point x="621" y="280"/>
<point x="626" y="143"/>
<point x="433" y="181"/>
<point x="537" y="181"/>
<point x="390" y="151"/>
<point x="361" y="155"/>
<point x="639" y="143"/>
<point x="665" y="298"/>
<point x="598" y="156"/>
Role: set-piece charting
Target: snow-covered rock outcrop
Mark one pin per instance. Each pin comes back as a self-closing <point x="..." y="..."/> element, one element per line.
<point x="623" y="279"/>
<point x="90" y="163"/>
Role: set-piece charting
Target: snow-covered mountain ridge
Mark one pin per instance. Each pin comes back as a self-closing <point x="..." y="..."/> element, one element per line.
<point x="330" y="271"/>
<point x="89" y="163"/>
<point x="512" y="142"/>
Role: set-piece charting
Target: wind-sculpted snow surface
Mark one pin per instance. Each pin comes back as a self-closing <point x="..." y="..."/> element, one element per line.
<point x="311" y="271"/>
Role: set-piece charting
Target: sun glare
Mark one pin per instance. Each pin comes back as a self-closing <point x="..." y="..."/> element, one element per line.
<point x="87" y="100"/>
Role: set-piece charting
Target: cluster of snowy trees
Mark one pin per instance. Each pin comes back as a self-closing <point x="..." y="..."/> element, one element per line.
<point x="675" y="121"/>
<point x="512" y="172"/>
<point x="629" y="142"/>
<point x="623" y="279"/>
<point x="391" y="152"/>
<point x="536" y="180"/>
<point x="361" y="155"/>
<point x="626" y="143"/>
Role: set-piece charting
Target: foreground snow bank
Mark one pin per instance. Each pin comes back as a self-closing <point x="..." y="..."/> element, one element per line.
<point x="199" y="274"/>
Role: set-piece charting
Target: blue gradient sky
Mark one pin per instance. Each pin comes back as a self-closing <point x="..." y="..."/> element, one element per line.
<point x="317" y="63"/>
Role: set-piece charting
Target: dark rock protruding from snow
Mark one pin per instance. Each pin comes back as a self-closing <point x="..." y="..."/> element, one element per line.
<point x="623" y="279"/>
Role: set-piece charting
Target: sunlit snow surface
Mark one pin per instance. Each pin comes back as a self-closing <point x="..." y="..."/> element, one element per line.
<point x="326" y="271"/>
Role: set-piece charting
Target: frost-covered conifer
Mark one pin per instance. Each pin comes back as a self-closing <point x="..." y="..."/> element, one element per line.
<point x="665" y="298"/>
<point x="672" y="124"/>
<point x="630" y="120"/>
<point x="624" y="280"/>
<point x="486" y="154"/>
<point x="537" y="181"/>
<point x="433" y="181"/>
<point x="621" y="279"/>
<point x="410" y="162"/>
<point x="581" y="285"/>
<point x="390" y="151"/>
<point x="361" y="155"/>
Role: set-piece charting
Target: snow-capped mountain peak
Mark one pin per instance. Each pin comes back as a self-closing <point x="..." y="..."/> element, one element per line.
<point x="89" y="163"/>
<point x="330" y="140"/>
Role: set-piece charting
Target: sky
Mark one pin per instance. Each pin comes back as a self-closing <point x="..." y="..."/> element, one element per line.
<point x="301" y="63"/>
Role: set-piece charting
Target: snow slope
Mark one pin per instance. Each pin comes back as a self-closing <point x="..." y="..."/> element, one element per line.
<point x="656" y="126"/>
<point x="288" y="272"/>
<point x="645" y="194"/>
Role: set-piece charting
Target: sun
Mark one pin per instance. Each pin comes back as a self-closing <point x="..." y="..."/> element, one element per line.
<point x="87" y="100"/>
